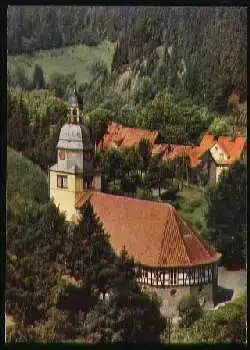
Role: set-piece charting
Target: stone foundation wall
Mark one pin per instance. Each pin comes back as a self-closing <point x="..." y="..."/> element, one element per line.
<point x="205" y="294"/>
<point x="170" y="296"/>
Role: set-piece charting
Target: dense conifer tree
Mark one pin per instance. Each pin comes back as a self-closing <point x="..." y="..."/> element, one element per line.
<point x="90" y="252"/>
<point x="35" y="262"/>
<point x="226" y="216"/>
<point x="38" y="78"/>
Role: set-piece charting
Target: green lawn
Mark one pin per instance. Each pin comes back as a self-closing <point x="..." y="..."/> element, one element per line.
<point x="74" y="59"/>
<point x="191" y="206"/>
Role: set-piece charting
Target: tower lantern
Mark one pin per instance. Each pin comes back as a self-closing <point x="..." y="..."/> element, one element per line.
<point x="74" y="113"/>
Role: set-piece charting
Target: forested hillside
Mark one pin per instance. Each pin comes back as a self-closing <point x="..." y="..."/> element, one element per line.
<point x="32" y="28"/>
<point x="173" y="70"/>
<point x="196" y="50"/>
<point x="199" y="50"/>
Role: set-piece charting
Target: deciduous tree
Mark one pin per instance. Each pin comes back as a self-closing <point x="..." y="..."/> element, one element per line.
<point x="98" y="120"/>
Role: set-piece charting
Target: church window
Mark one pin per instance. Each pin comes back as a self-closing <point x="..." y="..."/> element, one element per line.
<point x="62" y="181"/>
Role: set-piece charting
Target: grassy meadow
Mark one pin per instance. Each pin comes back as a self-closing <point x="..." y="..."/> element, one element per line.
<point x="192" y="206"/>
<point x="74" y="59"/>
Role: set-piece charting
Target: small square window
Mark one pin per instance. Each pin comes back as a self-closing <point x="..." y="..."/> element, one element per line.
<point x="62" y="181"/>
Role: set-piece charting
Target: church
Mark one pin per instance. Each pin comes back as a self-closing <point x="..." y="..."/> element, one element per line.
<point x="171" y="258"/>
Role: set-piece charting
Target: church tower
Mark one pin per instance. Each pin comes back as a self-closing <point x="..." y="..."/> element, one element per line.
<point x="74" y="173"/>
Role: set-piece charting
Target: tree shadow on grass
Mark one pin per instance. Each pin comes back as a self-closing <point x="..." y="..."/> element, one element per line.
<point x="223" y="295"/>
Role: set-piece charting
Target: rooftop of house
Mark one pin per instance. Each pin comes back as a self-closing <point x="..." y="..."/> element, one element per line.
<point x="177" y="151"/>
<point x="118" y="135"/>
<point x="152" y="232"/>
<point x="232" y="147"/>
<point x="160" y="148"/>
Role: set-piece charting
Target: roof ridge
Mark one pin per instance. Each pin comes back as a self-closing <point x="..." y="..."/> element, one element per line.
<point x="84" y="195"/>
<point x="132" y="198"/>
<point x="175" y="218"/>
<point x="179" y="219"/>
<point x="160" y="258"/>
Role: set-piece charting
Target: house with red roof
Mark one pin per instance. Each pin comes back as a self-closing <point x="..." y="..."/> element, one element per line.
<point x="119" y="136"/>
<point x="213" y="155"/>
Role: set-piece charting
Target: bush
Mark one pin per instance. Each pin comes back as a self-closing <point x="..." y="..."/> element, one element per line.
<point x="19" y="334"/>
<point x="198" y="224"/>
<point x="195" y="203"/>
<point x="174" y="204"/>
<point x="221" y="126"/>
<point x="144" y="194"/>
<point x="170" y="194"/>
<point x="189" y="310"/>
<point x="187" y="207"/>
<point x="115" y="189"/>
<point x="227" y="324"/>
<point x="129" y="184"/>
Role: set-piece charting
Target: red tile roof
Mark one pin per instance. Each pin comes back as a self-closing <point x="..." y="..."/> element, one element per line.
<point x="152" y="232"/>
<point x="121" y="136"/>
<point x="160" y="148"/>
<point x="232" y="147"/>
<point x="176" y="151"/>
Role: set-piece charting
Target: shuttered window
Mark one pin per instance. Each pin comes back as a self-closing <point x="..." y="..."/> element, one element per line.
<point x="62" y="181"/>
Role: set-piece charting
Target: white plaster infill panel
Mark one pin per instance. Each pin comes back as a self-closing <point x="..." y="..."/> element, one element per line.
<point x="218" y="153"/>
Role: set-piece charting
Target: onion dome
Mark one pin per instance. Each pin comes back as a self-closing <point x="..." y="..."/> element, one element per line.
<point x="75" y="137"/>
